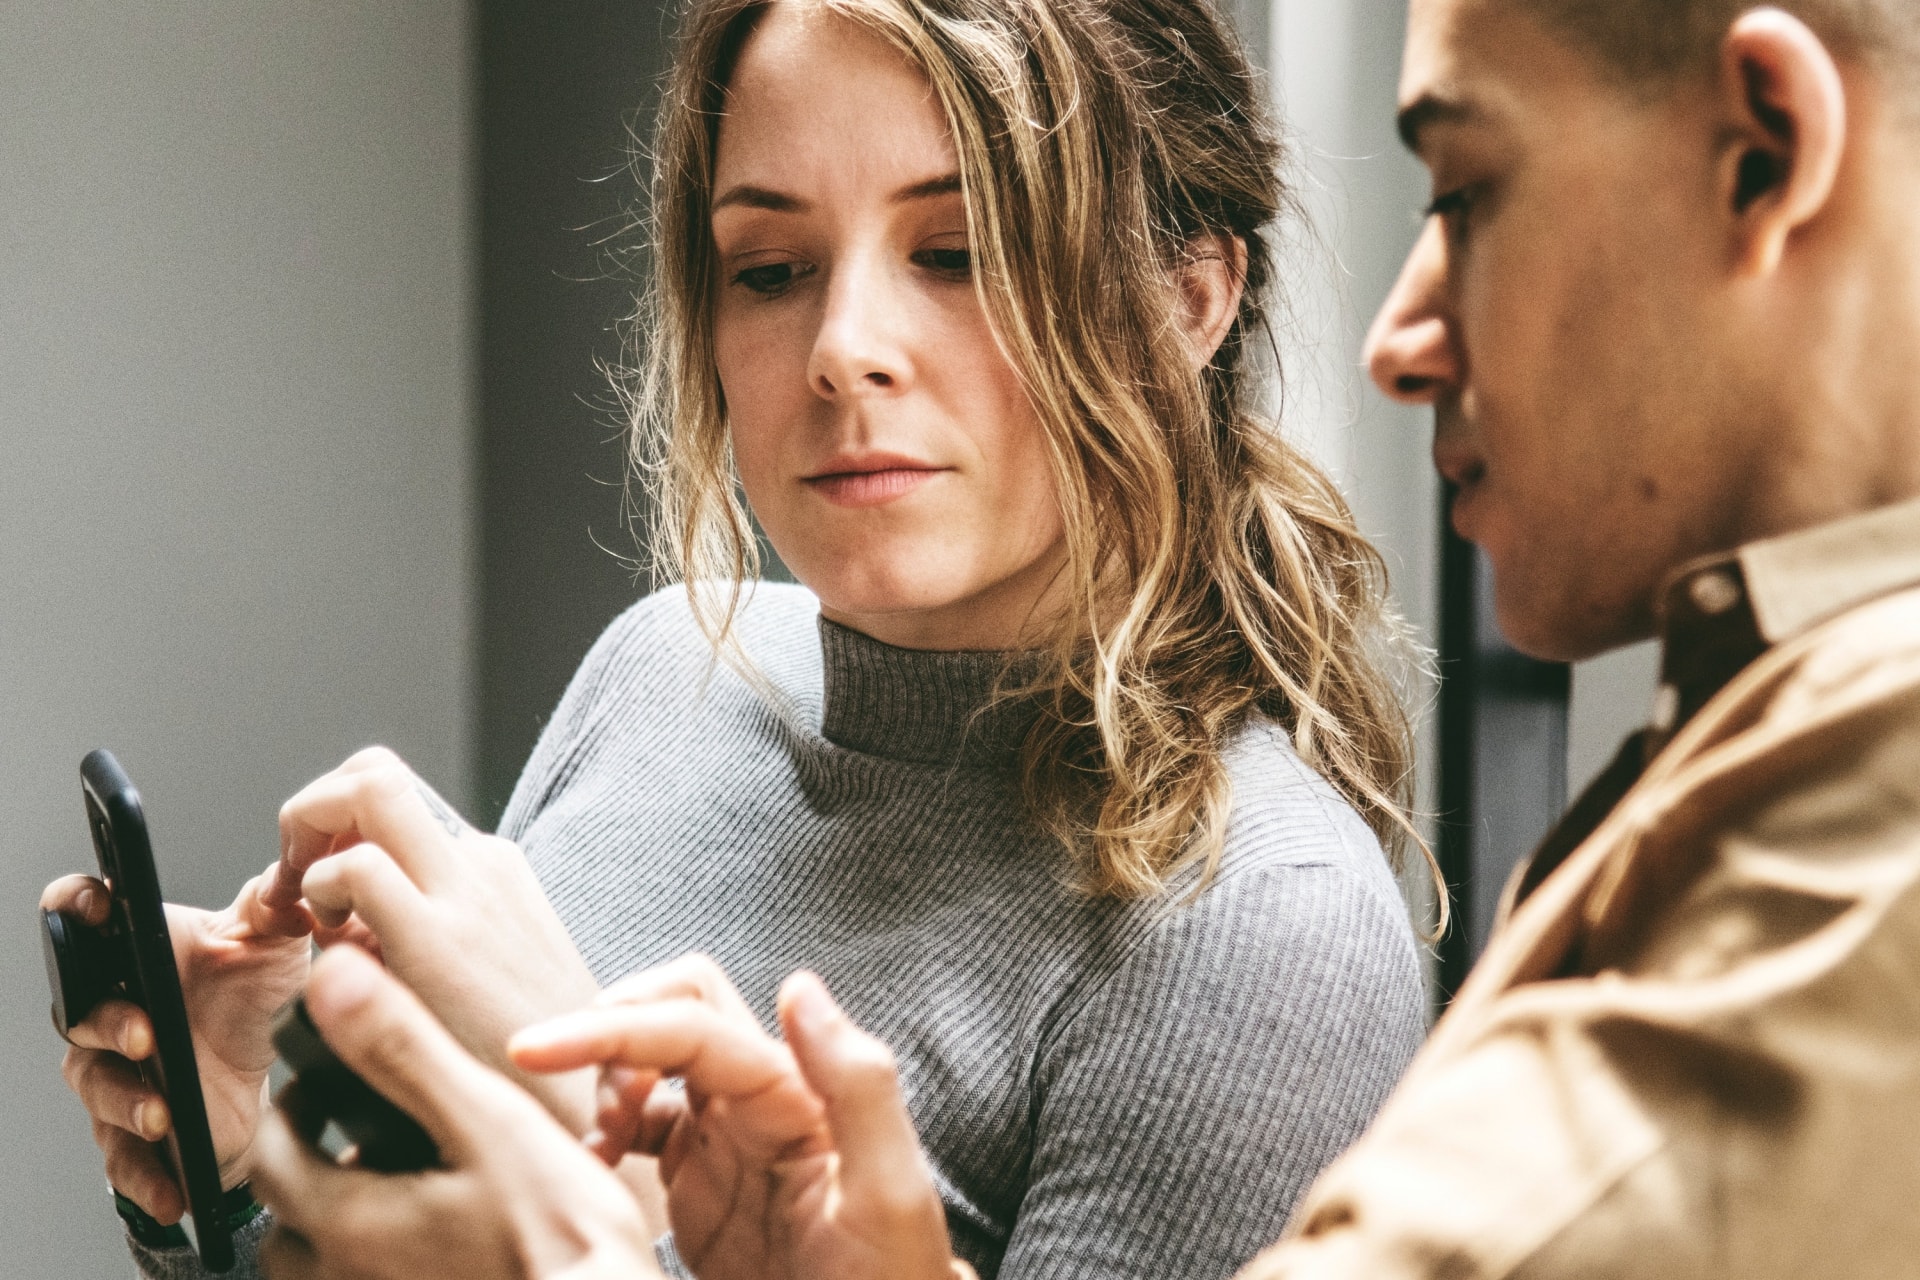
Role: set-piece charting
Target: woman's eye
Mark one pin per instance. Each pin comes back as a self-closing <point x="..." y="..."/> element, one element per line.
<point x="769" y="279"/>
<point x="957" y="263"/>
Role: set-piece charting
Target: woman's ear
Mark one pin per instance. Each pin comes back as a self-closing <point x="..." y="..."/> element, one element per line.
<point x="1788" y="118"/>
<point x="1211" y="280"/>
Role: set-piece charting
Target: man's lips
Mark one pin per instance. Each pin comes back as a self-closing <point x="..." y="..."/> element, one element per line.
<point x="870" y="480"/>
<point x="1464" y="474"/>
<point x="1457" y="466"/>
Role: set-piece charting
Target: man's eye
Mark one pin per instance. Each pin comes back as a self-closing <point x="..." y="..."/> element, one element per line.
<point x="1453" y="207"/>
<point x="770" y="279"/>
<point x="948" y="262"/>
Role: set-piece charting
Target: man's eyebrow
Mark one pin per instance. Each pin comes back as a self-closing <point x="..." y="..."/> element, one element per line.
<point x="752" y="197"/>
<point x="1430" y="109"/>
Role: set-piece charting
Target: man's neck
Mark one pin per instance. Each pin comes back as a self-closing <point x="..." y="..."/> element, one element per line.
<point x="1838" y="421"/>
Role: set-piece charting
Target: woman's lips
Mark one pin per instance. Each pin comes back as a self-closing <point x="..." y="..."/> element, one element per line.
<point x="871" y="484"/>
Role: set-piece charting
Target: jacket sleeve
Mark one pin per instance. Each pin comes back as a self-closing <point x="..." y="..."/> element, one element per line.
<point x="184" y="1264"/>
<point x="1703" y="1057"/>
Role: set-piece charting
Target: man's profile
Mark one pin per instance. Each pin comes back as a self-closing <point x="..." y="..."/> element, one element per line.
<point x="1664" y="312"/>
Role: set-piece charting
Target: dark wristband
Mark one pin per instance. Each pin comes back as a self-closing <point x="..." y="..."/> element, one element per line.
<point x="236" y="1209"/>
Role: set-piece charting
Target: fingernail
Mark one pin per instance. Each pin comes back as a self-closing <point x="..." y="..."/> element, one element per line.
<point x="150" y="1120"/>
<point x="135" y="1043"/>
<point x="812" y="1006"/>
<point x="85" y="902"/>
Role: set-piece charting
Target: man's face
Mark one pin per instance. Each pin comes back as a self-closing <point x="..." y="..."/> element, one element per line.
<point x="1560" y="313"/>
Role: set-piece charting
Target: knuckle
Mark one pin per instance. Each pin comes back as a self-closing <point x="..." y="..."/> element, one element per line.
<point x="86" y="1076"/>
<point x="385" y="781"/>
<point x="127" y="1167"/>
<point x="375" y="756"/>
<point x="73" y="1068"/>
<point x="704" y="970"/>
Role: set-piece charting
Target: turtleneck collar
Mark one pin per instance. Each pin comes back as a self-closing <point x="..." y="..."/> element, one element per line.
<point x="917" y="706"/>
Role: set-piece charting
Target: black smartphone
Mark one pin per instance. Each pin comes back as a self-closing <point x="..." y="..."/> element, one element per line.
<point x="131" y="957"/>
<point x="325" y="1092"/>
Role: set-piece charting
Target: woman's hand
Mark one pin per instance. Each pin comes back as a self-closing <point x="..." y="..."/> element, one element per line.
<point x="794" y="1160"/>
<point x="237" y="968"/>
<point x="457" y="913"/>
<point x="516" y="1196"/>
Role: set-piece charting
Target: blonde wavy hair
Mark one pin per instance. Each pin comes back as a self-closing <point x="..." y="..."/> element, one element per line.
<point x="1214" y="573"/>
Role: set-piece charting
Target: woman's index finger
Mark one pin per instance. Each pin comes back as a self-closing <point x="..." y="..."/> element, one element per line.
<point x="388" y="806"/>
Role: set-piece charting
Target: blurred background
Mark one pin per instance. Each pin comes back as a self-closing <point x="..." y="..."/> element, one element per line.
<point x="304" y="444"/>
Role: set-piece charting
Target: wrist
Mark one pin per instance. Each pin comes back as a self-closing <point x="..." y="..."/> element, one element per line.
<point x="236" y="1208"/>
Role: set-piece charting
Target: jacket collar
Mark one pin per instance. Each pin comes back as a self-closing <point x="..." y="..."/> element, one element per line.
<point x="1721" y="612"/>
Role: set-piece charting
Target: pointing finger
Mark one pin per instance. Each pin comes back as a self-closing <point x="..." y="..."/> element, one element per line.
<point x="695" y="976"/>
<point x="856" y="1077"/>
<point x="373" y="798"/>
<point x="362" y="881"/>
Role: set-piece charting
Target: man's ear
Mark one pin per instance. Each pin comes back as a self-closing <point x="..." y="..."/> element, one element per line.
<point x="1788" y="132"/>
<point x="1211" y="279"/>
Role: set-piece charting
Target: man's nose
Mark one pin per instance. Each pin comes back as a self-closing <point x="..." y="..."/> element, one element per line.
<point x="861" y="347"/>
<point x="1412" y="351"/>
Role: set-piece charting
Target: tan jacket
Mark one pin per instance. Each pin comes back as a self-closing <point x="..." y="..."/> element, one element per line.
<point x="1693" y="1048"/>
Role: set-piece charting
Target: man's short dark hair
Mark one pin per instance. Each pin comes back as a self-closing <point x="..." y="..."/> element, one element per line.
<point x="1652" y="41"/>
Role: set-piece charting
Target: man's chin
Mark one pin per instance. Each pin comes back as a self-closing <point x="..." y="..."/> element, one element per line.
<point x="1547" y="617"/>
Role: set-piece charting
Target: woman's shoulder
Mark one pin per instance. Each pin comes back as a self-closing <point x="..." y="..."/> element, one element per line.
<point x="660" y="642"/>
<point x="1303" y="893"/>
<point x="1301" y="932"/>
<point x="656" y="657"/>
<point x="654" y="680"/>
<point x="1286" y="815"/>
<point x="663" y="622"/>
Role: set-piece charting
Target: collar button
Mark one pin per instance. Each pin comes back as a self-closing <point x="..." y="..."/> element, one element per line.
<point x="1714" y="593"/>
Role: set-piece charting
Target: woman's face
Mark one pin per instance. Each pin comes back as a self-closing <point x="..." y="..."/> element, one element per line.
<point x="883" y="439"/>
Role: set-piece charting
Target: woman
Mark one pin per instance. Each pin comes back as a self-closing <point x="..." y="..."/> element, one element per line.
<point x="1070" y="768"/>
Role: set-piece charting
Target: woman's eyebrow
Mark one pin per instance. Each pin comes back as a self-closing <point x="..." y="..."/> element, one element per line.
<point x="753" y="197"/>
<point x="749" y="196"/>
<point x="946" y="184"/>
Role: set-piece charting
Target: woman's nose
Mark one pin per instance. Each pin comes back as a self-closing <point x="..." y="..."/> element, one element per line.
<point x="861" y="348"/>
<point x="1412" y="352"/>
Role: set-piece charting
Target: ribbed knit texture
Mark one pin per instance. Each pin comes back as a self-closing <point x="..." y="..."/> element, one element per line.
<point x="1104" y="1089"/>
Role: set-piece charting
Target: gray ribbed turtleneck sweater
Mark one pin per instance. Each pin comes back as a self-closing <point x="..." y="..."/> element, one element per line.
<point x="1104" y="1089"/>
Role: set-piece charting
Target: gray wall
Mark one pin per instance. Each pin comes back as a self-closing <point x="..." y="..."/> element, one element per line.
<point x="558" y="80"/>
<point x="1612" y="697"/>
<point x="234" y="460"/>
<point x="1336" y="71"/>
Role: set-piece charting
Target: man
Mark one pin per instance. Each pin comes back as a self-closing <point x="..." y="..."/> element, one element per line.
<point x="1664" y="312"/>
<point x="1667" y="310"/>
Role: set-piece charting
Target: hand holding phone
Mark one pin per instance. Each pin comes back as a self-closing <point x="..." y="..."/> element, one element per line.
<point x="131" y="957"/>
<point x="236" y="967"/>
